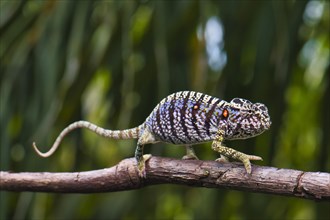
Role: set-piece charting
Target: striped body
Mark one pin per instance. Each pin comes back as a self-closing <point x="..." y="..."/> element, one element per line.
<point x="191" y="117"/>
<point x="186" y="118"/>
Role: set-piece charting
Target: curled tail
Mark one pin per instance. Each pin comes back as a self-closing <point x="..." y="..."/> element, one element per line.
<point x="114" y="134"/>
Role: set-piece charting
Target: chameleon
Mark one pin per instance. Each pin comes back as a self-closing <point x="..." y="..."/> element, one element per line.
<point x="188" y="118"/>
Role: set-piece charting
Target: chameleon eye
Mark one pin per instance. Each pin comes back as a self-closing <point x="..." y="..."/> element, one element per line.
<point x="225" y="113"/>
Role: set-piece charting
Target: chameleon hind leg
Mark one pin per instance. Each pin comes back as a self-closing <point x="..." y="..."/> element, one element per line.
<point x="141" y="159"/>
<point x="146" y="138"/>
<point x="190" y="153"/>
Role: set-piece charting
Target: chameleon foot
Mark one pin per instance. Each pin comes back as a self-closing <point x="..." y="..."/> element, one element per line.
<point x="190" y="154"/>
<point x="142" y="167"/>
<point x="245" y="158"/>
<point x="222" y="159"/>
<point x="190" y="157"/>
<point x="234" y="154"/>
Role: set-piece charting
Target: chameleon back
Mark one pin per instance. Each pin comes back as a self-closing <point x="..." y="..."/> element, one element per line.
<point x="186" y="118"/>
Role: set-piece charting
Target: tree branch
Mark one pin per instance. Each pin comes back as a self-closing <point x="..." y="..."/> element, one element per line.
<point x="124" y="176"/>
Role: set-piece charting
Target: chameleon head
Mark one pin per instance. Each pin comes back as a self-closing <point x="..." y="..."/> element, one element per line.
<point x="246" y="119"/>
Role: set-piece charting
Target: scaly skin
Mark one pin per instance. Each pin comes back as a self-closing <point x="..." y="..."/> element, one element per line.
<point x="189" y="118"/>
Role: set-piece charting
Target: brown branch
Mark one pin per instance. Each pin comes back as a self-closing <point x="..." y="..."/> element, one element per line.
<point x="124" y="176"/>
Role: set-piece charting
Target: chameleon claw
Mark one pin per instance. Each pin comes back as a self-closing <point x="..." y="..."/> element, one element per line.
<point x="146" y="157"/>
<point x="246" y="161"/>
<point x="222" y="159"/>
<point x="253" y="157"/>
<point x="187" y="157"/>
<point x="142" y="167"/>
<point x="190" y="157"/>
<point x="247" y="166"/>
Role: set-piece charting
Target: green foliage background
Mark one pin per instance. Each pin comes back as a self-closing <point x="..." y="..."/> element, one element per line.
<point x="110" y="62"/>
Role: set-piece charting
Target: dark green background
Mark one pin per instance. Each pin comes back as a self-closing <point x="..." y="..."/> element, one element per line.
<point x="111" y="62"/>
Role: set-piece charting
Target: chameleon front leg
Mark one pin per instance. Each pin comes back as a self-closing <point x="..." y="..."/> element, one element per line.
<point x="234" y="154"/>
<point x="190" y="153"/>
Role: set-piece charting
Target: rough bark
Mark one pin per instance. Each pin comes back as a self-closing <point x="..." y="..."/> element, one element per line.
<point x="124" y="176"/>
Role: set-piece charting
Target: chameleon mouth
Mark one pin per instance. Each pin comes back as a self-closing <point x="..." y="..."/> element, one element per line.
<point x="267" y="123"/>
